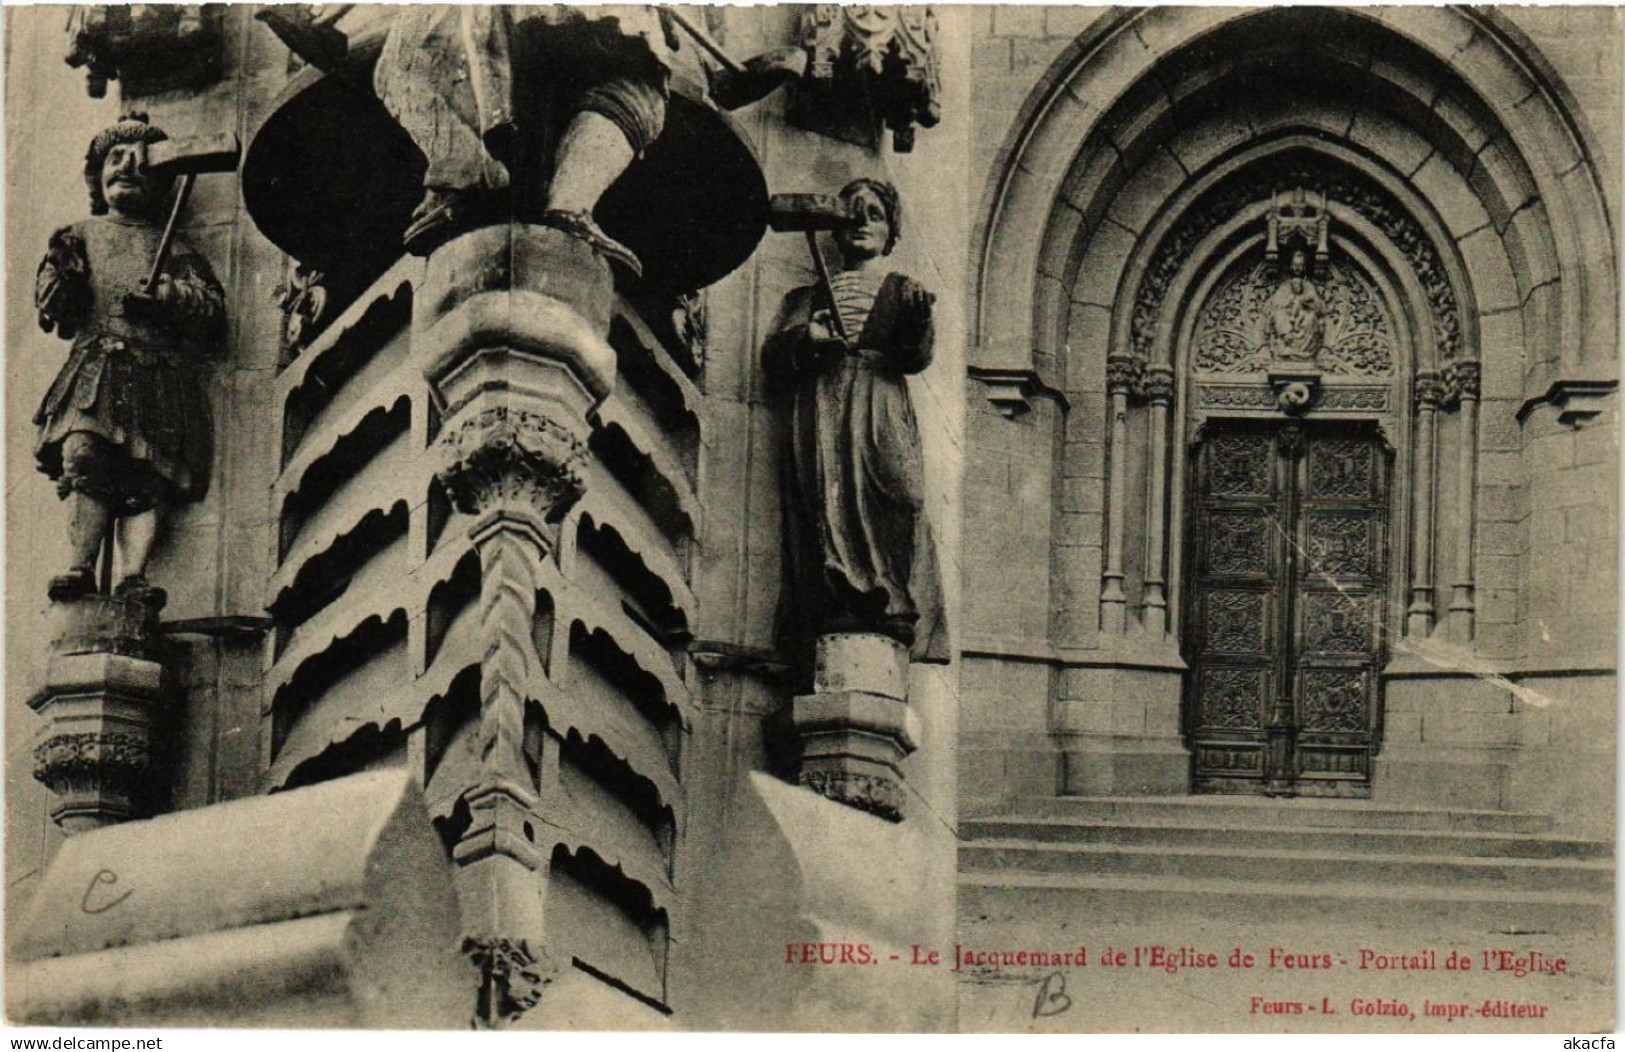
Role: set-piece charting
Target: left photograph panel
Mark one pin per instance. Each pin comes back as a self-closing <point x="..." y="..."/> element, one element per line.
<point x="482" y="511"/>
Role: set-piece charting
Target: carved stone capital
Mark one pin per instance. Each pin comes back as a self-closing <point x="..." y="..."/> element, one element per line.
<point x="1157" y="386"/>
<point x="502" y="455"/>
<point x="1462" y="380"/>
<point x="1123" y="373"/>
<point x="1430" y="390"/>
<point x="106" y="764"/>
<point x="856" y="726"/>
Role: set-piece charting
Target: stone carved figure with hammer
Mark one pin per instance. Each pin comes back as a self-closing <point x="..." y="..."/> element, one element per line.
<point x="125" y="429"/>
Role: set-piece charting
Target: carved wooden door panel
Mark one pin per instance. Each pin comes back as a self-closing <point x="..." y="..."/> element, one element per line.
<point x="1284" y="625"/>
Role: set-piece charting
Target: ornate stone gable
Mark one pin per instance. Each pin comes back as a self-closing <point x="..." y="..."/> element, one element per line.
<point x="1338" y="184"/>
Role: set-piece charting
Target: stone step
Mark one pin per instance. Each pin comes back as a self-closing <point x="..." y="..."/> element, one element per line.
<point x="1249" y="865"/>
<point x="1161" y="903"/>
<point x="1256" y="812"/>
<point x="1358" y="841"/>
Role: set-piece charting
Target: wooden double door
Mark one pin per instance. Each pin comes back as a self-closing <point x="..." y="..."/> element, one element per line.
<point x="1284" y="619"/>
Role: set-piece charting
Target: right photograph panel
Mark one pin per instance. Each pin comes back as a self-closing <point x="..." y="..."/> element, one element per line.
<point x="1290" y="586"/>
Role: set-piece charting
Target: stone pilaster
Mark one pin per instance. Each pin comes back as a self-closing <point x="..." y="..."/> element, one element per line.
<point x="511" y="323"/>
<point x="105" y="702"/>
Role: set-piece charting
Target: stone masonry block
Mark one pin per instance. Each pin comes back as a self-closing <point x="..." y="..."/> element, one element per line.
<point x="1278" y="112"/>
<point x="1081" y="495"/>
<point x="1018" y="20"/>
<point x="1470" y="728"/>
<point x="1500" y="181"/>
<point x="989" y="57"/>
<point x="1036" y="54"/>
<point x="1068" y="20"/>
<point x="1110" y="245"/>
<point x="1462" y="212"/>
<point x="1487" y="266"/>
<point x="1048" y="153"/>
<point x="1492" y="71"/>
<point x="1149" y="189"/>
<point x="1080" y="530"/>
<point x="1498" y="426"/>
<point x="1397" y="143"/>
<point x="1500" y="538"/>
<point x="1534" y="119"/>
<point x="1500" y="503"/>
<point x="1464" y="117"/>
<point x="1433" y="695"/>
<point x="1198" y="146"/>
<point x="1401" y="728"/>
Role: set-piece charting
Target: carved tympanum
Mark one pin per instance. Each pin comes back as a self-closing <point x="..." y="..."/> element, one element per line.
<point x="1259" y="317"/>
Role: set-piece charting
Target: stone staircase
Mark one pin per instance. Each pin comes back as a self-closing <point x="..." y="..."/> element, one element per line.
<point x="1282" y="860"/>
<point x="1332" y="880"/>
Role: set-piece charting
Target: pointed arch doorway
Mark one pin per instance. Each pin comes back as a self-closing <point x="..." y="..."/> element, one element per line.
<point x="1293" y="346"/>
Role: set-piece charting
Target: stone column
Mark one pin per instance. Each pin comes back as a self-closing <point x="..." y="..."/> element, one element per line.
<point x="1419" y="617"/>
<point x="1464" y="384"/>
<point x="106" y="700"/>
<point x="1159" y="392"/>
<point x="1121" y="373"/>
<point x="856" y="727"/>
<point x="509" y="324"/>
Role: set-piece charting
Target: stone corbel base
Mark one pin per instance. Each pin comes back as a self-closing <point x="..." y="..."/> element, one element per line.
<point x="856" y="726"/>
<point x="105" y="698"/>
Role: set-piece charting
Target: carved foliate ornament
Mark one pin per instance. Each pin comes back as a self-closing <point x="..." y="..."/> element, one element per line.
<point x="1461" y="381"/>
<point x="147" y="48"/>
<point x="502" y="454"/>
<point x="303" y="297"/>
<point x="1430" y="389"/>
<point x="869" y="66"/>
<point x="1157" y="386"/>
<point x="66" y="762"/>
<point x="1124" y="373"/>
<point x="874" y="793"/>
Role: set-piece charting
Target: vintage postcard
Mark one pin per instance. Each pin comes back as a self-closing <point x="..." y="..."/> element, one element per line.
<point x="811" y="517"/>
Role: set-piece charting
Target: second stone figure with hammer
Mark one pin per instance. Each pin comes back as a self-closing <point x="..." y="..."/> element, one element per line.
<point x="125" y="429"/>
<point x="858" y="549"/>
